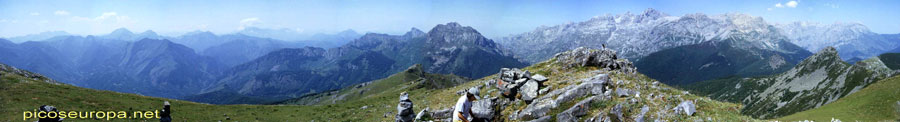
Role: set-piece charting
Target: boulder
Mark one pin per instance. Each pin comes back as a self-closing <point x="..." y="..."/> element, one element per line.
<point x="686" y="108"/>
<point x="537" y="109"/>
<point x="529" y="91"/>
<point x="483" y="109"/>
<point x="404" y="109"/>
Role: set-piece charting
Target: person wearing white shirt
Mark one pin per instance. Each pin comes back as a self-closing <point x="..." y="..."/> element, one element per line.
<point x="463" y="109"/>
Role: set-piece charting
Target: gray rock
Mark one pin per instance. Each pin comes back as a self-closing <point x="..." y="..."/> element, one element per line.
<point x="539" y="78"/>
<point x="422" y="115"/>
<point x="529" y="91"/>
<point x="483" y="109"/>
<point x="578" y="91"/>
<point x="404" y="109"/>
<point x="623" y="92"/>
<point x="640" y="117"/>
<point x="686" y="108"/>
<point x="579" y="109"/>
<point x="537" y="109"/>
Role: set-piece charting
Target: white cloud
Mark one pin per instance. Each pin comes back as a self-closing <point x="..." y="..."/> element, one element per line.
<point x="832" y="5"/>
<point x="792" y="4"/>
<point x="61" y="12"/>
<point x="789" y="4"/>
<point x="248" y="22"/>
<point x="34" y="14"/>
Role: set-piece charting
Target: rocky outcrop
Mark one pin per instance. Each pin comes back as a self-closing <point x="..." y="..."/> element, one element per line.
<point x="4" y="69"/>
<point x="602" y="58"/>
<point x="514" y="81"/>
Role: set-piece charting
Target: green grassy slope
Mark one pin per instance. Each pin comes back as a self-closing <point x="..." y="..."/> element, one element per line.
<point x="874" y="103"/>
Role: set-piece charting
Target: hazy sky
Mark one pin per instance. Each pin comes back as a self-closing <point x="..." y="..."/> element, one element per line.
<point x="491" y="18"/>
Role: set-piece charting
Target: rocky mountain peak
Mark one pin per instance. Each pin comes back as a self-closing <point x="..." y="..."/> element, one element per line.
<point x="453" y="34"/>
<point x="121" y="31"/>
<point x="826" y="56"/>
<point x="827" y="51"/>
<point x="415" y="69"/>
<point x="414" y="32"/>
<point x="652" y="14"/>
<point x="452" y="27"/>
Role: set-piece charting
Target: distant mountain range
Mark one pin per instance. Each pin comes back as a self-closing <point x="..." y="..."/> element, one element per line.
<point x="147" y="66"/>
<point x="311" y="39"/>
<point x="446" y="49"/>
<point x="697" y="47"/>
<point x="852" y="40"/>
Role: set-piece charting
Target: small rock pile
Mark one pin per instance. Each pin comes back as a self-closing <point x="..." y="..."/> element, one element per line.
<point x="515" y="81"/>
<point x="404" y="109"/>
<point x="603" y="58"/>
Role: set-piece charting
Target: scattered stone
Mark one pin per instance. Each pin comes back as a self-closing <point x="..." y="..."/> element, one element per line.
<point x="686" y="108"/>
<point x="363" y="107"/>
<point x="640" y="117"/>
<point x="404" y="109"/>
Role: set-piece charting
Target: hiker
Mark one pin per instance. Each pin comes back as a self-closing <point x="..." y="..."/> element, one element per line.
<point x="47" y="108"/>
<point x="165" y="114"/>
<point x="463" y="109"/>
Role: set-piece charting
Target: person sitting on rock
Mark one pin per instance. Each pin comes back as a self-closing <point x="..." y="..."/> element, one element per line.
<point x="463" y="109"/>
<point x="165" y="115"/>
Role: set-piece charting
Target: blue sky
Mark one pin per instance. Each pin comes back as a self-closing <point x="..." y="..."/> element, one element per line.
<point x="491" y="18"/>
